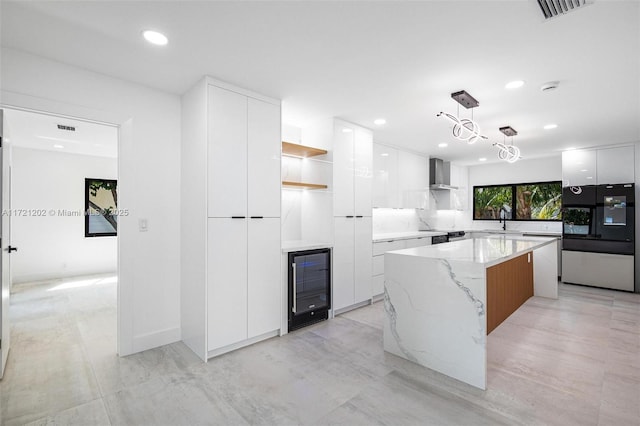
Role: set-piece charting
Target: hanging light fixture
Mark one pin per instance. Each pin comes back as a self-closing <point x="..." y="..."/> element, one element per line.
<point x="508" y="153"/>
<point x="463" y="128"/>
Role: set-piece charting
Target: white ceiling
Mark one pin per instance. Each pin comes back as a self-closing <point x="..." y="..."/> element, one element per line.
<point x="361" y="60"/>
<point x="40" y="131"/>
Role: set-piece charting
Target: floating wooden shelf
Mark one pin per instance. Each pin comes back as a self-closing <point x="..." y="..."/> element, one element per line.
<point x="302" y="185"/>
<point x="289" y="148"/>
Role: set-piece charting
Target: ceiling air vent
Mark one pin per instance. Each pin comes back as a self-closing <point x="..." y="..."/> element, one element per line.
<point x="553" y="8"/>
<point x="68" y="128"/>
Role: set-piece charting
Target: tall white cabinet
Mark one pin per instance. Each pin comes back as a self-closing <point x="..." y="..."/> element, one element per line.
<point x="230" y="218"/>
<point x="352" y="190"/>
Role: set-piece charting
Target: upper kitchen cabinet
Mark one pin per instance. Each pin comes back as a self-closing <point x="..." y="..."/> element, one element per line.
<point x="413" y="180"/>
<point x="385" y="176"/>
<point x="352" y="170"/>
<point x="230" y="218"/>
<point x="401" y="178"/>
<point x="598" y="166"/>
<point x="244" y="155"/>
<point x="579" y="167"/>
<point x="615" y="165"/>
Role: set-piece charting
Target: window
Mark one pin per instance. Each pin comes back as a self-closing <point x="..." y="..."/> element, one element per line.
<point x="525" y="201"/>
<point x="489" y="200"/>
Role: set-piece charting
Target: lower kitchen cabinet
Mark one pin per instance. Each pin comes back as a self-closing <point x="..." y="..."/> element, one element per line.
<point x="351" y="261"/>
<point x="227" y="282"/>
<point x="615" y="271"/>
<point x="243" y="297"/>
<point x="264" y="288"/>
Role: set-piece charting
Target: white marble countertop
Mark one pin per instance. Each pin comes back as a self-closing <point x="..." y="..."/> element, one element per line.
<point x="406" y="235"/>
<point x="289" y="246"/>
<point x="489" y="250"/>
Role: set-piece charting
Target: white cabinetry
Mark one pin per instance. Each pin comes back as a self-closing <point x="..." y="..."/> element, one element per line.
<point x="598" y="166"/>
<point x="615" y="165"/>
<point x="579" y="167"/>
<point x="230" y="218"/>
<point x="401" y="178"/>
<point x="385" y="176"/>
<point x="413" y="180"/>
<point x="352" y="189"/>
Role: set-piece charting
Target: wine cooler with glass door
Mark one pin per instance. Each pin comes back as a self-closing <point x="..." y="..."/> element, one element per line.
<point x="309" y="287"/>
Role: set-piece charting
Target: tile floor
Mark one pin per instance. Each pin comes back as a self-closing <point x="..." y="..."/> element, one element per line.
<point x="572" y="361"/>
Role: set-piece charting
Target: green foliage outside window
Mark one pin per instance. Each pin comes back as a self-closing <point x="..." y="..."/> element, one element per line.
<point x="487" y="201"/>
<point x="541" y="201"/>
<point x="529" y="201"/>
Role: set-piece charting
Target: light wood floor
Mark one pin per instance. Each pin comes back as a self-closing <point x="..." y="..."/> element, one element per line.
<point x="572" y="361"/>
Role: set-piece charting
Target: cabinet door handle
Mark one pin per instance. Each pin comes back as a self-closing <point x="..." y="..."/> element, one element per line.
<point x="349" y="217"/>
<point x="359" y="216"/>
<point x="295" y="289"/>
<point x="257" y="217"/>
<point x="238" y="217"/>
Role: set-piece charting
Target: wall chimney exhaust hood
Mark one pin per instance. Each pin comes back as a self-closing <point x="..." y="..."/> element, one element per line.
<point x="440" y="174"/>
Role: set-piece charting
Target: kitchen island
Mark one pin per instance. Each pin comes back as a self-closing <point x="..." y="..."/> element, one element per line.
<point x="441" y="301"/>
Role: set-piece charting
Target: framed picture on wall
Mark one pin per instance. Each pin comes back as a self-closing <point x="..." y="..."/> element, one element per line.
<point x="101" y="207"/>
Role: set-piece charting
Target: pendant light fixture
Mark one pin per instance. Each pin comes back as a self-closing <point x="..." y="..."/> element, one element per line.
<point x="508" y="153"/>
<point x="463" y="128"/>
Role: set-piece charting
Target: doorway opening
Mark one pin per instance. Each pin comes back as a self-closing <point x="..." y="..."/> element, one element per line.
<point x="64" y="222"/>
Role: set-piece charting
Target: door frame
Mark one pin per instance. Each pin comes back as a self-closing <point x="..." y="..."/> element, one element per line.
<point x="124" y="124"/>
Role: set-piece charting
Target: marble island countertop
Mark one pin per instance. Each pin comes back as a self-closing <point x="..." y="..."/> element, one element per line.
<point x="489" y="250"/>
<point x="437" y="299"/>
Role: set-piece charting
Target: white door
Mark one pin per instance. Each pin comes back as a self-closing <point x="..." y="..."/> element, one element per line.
<point x="264" y="153"/>
<point x="226" y="282"/>
<point x="5" y="241"/>
<point x="343" y="260"/>
<point x="227" y="175"/>
<point x="264" y="287"/>
<point x="363" y="261"/>
<point x="363" y="171"/>
<point x="343" y="169"/>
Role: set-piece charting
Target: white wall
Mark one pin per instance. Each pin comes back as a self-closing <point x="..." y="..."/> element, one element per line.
<point x="54" y="245"/>
<point x="149" y="182"/>
<point x="534" y="170"/>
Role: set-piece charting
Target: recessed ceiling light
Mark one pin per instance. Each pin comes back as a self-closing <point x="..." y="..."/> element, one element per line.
<point x="550" y="126"/>
<point x="584" y="170"/>
<point x="384" y="154"/>
<point x="443" y="145"/>
<point x="380" y="122"/>
<point x="482" y="159"/>
<point x="347" y="130"/>
<point x="155" y="37"/>
<point x="58" y="146"/>
<point x="514" y="84"/>
<point x="589" y="177"/>
<point x="571" y="148"/>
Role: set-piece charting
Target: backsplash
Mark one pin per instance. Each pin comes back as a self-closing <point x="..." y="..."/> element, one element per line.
<point x="402" y="220"/>
<point x="395" y="220"/>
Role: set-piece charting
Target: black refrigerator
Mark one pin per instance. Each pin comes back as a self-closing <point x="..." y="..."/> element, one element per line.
<point x="598" y="234"/>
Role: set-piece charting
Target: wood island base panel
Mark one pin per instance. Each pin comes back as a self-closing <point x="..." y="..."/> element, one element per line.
<point x="436" y="300"/>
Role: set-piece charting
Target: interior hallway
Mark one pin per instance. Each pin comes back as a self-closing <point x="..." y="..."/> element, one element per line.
<point x="572" y="361"/>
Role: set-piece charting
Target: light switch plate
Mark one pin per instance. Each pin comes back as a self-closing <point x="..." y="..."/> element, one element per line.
<point x="143" y="225"/>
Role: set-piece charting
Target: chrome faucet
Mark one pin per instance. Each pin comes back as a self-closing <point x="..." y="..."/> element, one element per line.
<point x="503" y="218"/>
